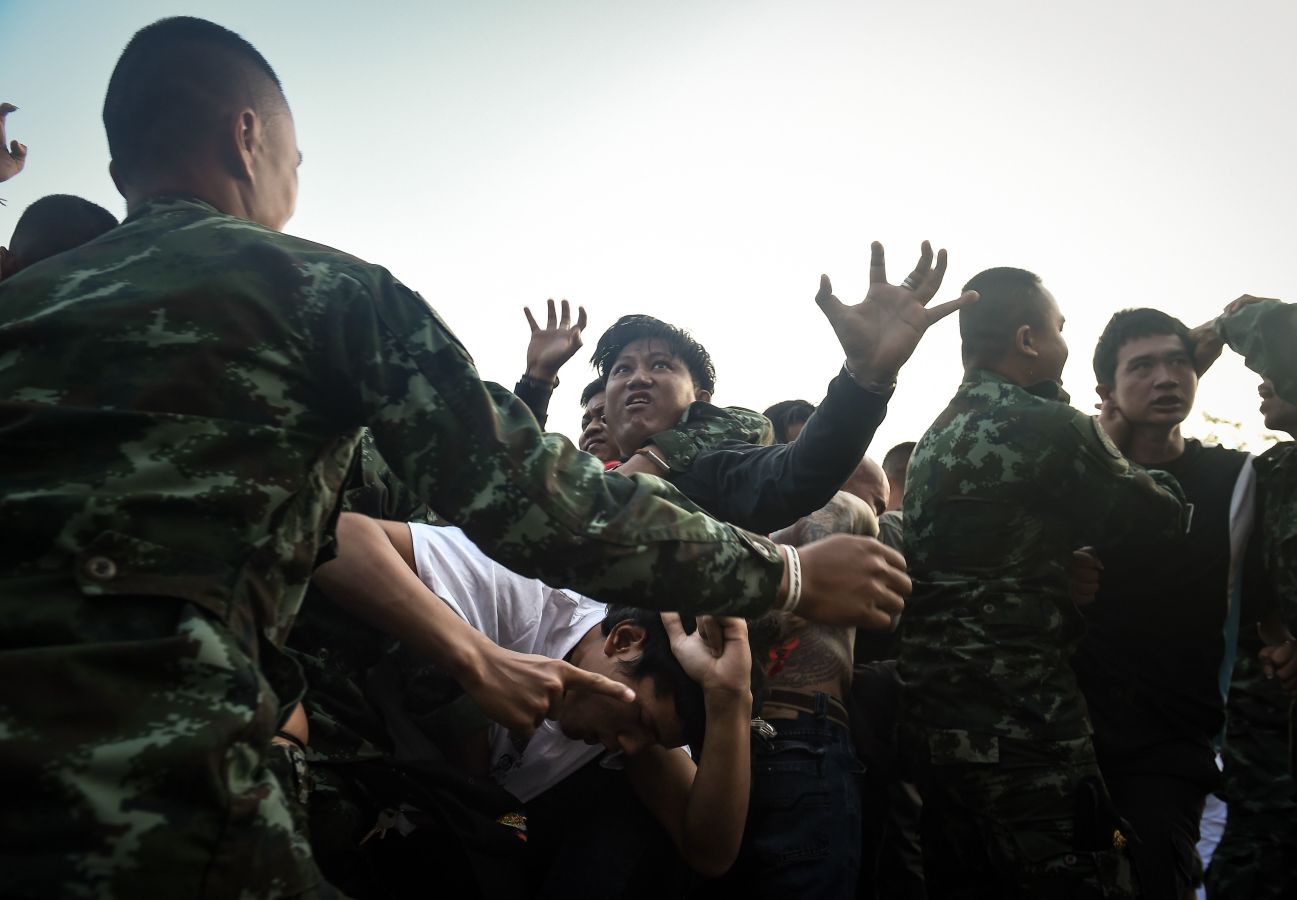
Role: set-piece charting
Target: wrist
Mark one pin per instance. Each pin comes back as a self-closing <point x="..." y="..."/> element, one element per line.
<point x="732" y="697"/>
<point x="542" y="377"/>
<point x="870" y="377"/>
<point x="468" y="661"/>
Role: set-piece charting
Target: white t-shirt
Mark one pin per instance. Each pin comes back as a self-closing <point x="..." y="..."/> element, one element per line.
<point x="520" y="614"/>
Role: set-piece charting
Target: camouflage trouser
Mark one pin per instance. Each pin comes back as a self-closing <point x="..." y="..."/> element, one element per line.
<point x="1008" y="818"/>
<point x="1255" y="862"/>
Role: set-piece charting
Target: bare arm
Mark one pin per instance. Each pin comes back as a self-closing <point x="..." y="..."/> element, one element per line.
<point x="704" y="808"/>
<point x="373" y="577"/>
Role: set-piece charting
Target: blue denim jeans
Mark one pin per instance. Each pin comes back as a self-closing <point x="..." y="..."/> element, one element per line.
<point x="803" y="833"/>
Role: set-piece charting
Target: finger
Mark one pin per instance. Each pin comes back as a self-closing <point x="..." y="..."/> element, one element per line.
<point x="941" y="310"/>
<point x="877" y="264"/>
<point x="565" y="322"/>
<point x="551" y="317"/>
<point x="675" y="629"/>
<point x="932" y="280"/>
<point x="531" y="320"/>
<point x="712" y="634"/>
<point x="580" y="319"/>
<point x="892" y="557"/>
<point x="575" y="679"/>
<point x="19" y="151"/>
<point x="918" y="278"/>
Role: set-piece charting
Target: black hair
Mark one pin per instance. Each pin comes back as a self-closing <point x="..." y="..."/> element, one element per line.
<point x="787" y="413"/>
<point x="1008" y="299"/>
<point x="55" y="224"/>
<point x="656" y="661"/>
<point x="897" y="460"/>
<point x="587" y="393"/>
<point x="1130" y="325"/>
<point x="171" y="86"/>
<point x="629" y="329"/>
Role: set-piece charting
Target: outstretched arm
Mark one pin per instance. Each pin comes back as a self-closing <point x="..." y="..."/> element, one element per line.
<point x="704" y="808"/>
<point x="373" y="578"/>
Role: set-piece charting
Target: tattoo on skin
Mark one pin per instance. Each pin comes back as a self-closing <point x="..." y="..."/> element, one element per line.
<point x="816" y="655"/>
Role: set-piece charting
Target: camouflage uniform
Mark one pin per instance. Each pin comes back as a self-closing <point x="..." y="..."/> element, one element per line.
<point x="1001" y="489"/>
<point x="181" y="401"/>
<point x="1257" y="856"/>
<point x="1265" y="334"/>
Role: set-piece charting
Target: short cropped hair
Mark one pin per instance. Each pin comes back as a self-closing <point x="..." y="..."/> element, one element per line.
<point x="656" y="661"/>
<point x="897" y="461"/>
<point x="172" y="83"/>
<point x="787" y="413"/>
<point x="1131" y="325"/>
<point x="629" y="329"/>
<point x="1008" y="299"/>
<point x="587" y="393"/>
<point x="55" y="224"/>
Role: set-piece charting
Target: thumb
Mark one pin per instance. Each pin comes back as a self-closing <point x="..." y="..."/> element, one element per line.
<point x="575" y="679"/>
<point x="941" y="310"/>
<point x="824" y="297"/>
<point x="19" y="151"/>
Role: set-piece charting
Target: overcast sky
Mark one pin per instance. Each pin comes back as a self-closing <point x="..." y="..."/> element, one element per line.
<point x="705" y="161"/>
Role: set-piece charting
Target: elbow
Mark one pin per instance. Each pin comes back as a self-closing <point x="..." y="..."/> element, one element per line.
<point x="710" y="861"/>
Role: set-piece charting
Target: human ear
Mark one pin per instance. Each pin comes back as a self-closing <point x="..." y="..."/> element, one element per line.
<point x="242" y="142"/>
<point x="1023" y="340"/>
<point x="703" y="395"/>
<point x="625" y="640"/>
<point x="1104" y="392"/>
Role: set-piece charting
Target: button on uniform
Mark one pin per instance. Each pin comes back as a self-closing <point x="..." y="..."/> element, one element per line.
<point x="101" y="568"/>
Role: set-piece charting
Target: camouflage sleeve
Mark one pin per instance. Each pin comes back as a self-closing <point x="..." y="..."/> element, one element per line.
<point x="706" y="427"/>
<point x="1265" y="335"/>
<point x="1118" y="499"/>
<point x="530" y="500"/>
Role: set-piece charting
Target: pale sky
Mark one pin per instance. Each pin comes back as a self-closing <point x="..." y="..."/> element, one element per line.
<point x="704" y="162"/>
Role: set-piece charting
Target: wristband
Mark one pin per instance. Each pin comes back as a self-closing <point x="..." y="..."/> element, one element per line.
<point x="539" y="383"/>
<point x="648" y="451"/>
<point x="875" y="388"/>
<point x="794" y="563"/>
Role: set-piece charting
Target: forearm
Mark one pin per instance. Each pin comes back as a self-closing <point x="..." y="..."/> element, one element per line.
<point x="766" y="488"/>
<point x="536" y="394"/>
<point x="369" y="579"/>
<point x="717" y="806"/>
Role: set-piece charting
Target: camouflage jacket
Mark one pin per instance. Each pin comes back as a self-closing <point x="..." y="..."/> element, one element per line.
<point x="1002" y="488"/>
<point x="1265" y="334"/>
<point x="180" y="402"/>
<point x="1259" y="785"/>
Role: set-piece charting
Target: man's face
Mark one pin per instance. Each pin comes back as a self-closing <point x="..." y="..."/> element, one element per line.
<point x="1155" y="382"/>
<point x="649" y="389"/>
<point x="1279" y="414"/>
<point x="1049" y="343"/>
<point x="618" y="725"/>
<point x="275" y="170"/>
<point x="594" y="437"/>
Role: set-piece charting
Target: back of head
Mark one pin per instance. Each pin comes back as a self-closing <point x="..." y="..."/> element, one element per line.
<point x="656" y="661"/>
<point x="897" y="461"/>
<point x="628" y="329"/>
<point x="1131" y="325"/>
<point x="53" y="225"/>
<point x="171" y="88"/>
<point x="1009" y="298"/>
<point x="787" y="413"/>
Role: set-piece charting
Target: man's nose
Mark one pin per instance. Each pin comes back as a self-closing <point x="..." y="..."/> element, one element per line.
<point x="640" y="376"/>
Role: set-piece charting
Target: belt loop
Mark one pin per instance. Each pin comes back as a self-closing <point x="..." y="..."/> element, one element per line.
<point x="821" y="705"/>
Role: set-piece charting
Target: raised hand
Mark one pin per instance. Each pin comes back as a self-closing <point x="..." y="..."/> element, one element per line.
<point x="520" y="691"/>
<point x="13" y="156"/>
<point x="880" y="333"/>
<point x="852" y="580"/>
<point x="1207" y="346"/>
<point x="550" y="347"/>
<point x="716" y="655"/>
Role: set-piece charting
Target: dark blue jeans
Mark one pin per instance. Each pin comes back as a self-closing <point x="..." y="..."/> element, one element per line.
<point x="803" y="833"/>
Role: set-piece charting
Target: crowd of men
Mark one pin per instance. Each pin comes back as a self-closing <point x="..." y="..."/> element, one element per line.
<point x="292" y="603"/>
